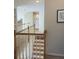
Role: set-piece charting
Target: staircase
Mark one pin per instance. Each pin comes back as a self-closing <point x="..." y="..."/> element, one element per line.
<point x="37" y="43"/>
<point x="38" y="48"/>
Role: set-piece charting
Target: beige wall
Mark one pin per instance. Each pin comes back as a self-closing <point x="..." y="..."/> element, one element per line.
<point x="55" y="35"/>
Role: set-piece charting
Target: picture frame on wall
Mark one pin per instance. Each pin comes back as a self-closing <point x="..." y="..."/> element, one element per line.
<point x="60" y="16"/>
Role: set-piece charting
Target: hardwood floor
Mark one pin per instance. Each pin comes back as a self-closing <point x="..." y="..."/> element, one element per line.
<point x="54" y="57"/>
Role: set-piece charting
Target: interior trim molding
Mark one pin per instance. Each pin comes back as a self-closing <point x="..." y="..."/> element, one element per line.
<point x="55" y="54"/>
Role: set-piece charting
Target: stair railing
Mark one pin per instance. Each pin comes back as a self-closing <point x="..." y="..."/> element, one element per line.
<point x="28" y="38"/>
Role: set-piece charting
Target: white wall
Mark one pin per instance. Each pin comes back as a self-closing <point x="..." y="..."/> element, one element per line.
<point x="22" y="10"/>
<point x="55" y="35"/>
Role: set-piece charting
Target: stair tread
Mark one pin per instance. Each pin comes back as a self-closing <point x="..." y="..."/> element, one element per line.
<point x="38" y="56"/>
<point x="41" y="52"/>
<point x="39" y="37"/>
<point x="38" y="47"/>
<point x="42" y="45"/>
<point x="38" y="43"/>
<point x="39" y="40"/>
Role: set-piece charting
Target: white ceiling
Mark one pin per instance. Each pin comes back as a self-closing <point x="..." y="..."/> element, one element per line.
<point x="21" y="2"/>
<point x="25" y="2"/>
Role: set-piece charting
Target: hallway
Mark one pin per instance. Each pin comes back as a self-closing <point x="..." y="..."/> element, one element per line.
<point x="54" y="57"/>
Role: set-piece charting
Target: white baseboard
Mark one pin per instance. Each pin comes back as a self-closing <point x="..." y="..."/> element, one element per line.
<point x="55" y="54"/>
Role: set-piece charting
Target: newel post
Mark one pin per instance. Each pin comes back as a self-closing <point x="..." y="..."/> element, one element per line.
<point x="45" y="32"/>
<point x="14" y="44"/>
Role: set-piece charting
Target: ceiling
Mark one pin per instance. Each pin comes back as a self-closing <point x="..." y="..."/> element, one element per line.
<point x="22" y="2"/>
<point x="25" y="2"/>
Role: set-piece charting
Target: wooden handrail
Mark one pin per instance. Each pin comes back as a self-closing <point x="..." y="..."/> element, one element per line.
<point x="29" y="33"/>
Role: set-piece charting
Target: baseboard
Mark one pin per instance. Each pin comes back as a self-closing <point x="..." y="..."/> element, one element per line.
<point x="55" y="54"/>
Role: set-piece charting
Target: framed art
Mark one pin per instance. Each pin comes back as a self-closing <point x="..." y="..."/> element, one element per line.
<point x="60" y="16"/>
